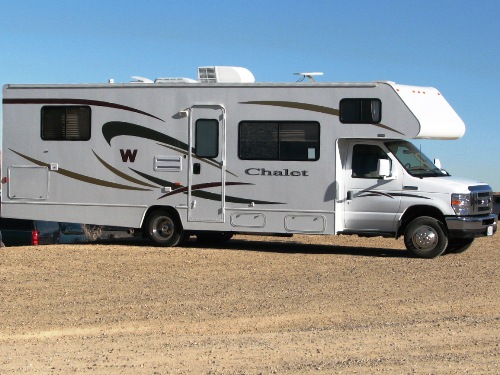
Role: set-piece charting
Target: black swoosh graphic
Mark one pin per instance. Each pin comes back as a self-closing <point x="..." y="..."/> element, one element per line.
<point x="309" y="107"/>
<point x="208" y="185"/>
<point x="372" y="193"/>
<point x="97" y="103"/>
<point x="297" y="105"/>
<point x="121" y="174"/>
<point x="116" y="128"/>
<point x="157" y="180"/>
<point x="202" y="194"/>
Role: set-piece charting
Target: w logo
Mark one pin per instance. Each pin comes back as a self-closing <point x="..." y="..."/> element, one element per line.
<point x="128" y="155"/>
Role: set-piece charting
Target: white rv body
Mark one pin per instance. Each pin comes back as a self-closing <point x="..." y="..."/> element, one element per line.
<point x="239" y="157"/>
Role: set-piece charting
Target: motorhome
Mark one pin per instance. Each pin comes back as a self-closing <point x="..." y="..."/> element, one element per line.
<point x="223" y="154"/>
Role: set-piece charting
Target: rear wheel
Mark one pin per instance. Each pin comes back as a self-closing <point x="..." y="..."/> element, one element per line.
<point x="459" y="245"/>
<point x="426" y="237"/>
<point x="164" y="228"/>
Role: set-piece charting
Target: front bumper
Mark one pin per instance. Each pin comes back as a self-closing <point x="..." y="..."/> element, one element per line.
<point x="471" y="226"/>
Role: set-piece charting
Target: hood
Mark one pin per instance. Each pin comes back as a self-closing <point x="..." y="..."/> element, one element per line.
<point x="448" y="184"/>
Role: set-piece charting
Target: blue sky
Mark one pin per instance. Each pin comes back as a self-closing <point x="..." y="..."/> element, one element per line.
<point x="451" y="45"/>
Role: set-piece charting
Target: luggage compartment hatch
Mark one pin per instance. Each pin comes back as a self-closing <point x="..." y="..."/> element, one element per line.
<point x="28" y="182"/>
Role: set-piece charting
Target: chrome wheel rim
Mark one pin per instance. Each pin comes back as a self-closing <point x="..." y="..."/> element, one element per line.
<point x="425" y="238"/>
<point x="163" y="227"/>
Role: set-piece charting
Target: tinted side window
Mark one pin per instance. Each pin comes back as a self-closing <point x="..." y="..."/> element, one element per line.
<point x="299" y="141"/>
<point x="258" y="141"/>
<point x="70" y="123"/>
<point x="365" y="160"/>
<point x="360" y="111"/>
<point x="281" y="140"/>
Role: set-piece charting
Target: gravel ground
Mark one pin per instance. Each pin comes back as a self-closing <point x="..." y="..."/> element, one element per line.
<point x="257" y="305"/>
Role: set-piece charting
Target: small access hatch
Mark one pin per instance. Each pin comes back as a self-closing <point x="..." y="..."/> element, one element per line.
<point x="28" y="182"/>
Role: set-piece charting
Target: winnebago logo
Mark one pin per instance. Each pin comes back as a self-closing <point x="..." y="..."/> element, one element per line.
<point x="281" y="172"/>
<point x="128" y="155"/>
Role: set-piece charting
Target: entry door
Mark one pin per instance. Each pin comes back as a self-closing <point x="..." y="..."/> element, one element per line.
<point x="371" y="202"/>
<point x="206" y="159"/>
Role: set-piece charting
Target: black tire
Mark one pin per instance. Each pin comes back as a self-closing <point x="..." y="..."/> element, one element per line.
<point x="426" y="237"/>
<point x="459" y="245"/>
<point x="164" y="228"/>
<point x="213" y="237"/>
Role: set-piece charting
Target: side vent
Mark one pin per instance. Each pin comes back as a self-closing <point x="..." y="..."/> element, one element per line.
<point x="168" y="163"/>
<point x="225" y="74"/>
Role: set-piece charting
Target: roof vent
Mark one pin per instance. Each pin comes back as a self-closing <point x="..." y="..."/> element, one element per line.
<point x="224" y="74"/>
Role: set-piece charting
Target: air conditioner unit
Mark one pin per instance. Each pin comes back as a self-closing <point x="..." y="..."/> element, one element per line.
<point x="225" y="74"/>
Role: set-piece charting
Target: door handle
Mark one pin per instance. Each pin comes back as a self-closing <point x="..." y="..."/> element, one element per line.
<point x="349" y="195"/>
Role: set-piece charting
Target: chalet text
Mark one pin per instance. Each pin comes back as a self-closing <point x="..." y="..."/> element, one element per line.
<point x="281" y="172"/>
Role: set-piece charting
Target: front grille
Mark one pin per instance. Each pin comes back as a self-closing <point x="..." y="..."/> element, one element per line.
<point x="482" y="202"/>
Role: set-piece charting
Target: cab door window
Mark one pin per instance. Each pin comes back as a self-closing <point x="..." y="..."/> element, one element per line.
<point x="365" y="160"/>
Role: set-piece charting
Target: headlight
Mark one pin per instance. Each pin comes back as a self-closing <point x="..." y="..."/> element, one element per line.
<point x="462" y="204"/>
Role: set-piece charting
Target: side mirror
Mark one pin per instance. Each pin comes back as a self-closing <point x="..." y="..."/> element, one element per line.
<point x="384" y="169"/>
<point x="437" y="163"/>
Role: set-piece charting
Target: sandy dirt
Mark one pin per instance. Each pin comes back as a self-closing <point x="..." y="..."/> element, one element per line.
<point x="256" y="305"/>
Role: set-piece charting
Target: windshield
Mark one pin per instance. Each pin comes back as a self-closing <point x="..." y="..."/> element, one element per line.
<point x="415" y="163"/>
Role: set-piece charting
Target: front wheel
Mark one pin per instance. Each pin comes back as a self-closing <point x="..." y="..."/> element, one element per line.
<point x="164" y="229"/>
<point x="426" y="237"/>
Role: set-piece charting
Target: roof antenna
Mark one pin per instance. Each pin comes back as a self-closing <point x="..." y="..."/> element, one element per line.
<point x="309" y="75"/>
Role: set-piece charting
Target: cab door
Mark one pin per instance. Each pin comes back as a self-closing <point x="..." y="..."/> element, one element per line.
<point x="206" y="161"/>
<point x="371" y="201"/>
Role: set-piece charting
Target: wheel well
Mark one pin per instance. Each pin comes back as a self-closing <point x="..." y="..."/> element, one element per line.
<point x="169" y="209"/>
<point x="416" y="211"/>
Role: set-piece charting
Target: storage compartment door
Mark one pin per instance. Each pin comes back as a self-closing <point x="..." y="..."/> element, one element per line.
<point x="28" y="182"/>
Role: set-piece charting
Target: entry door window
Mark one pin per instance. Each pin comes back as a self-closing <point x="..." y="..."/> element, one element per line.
<point x="207" y="138"/>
